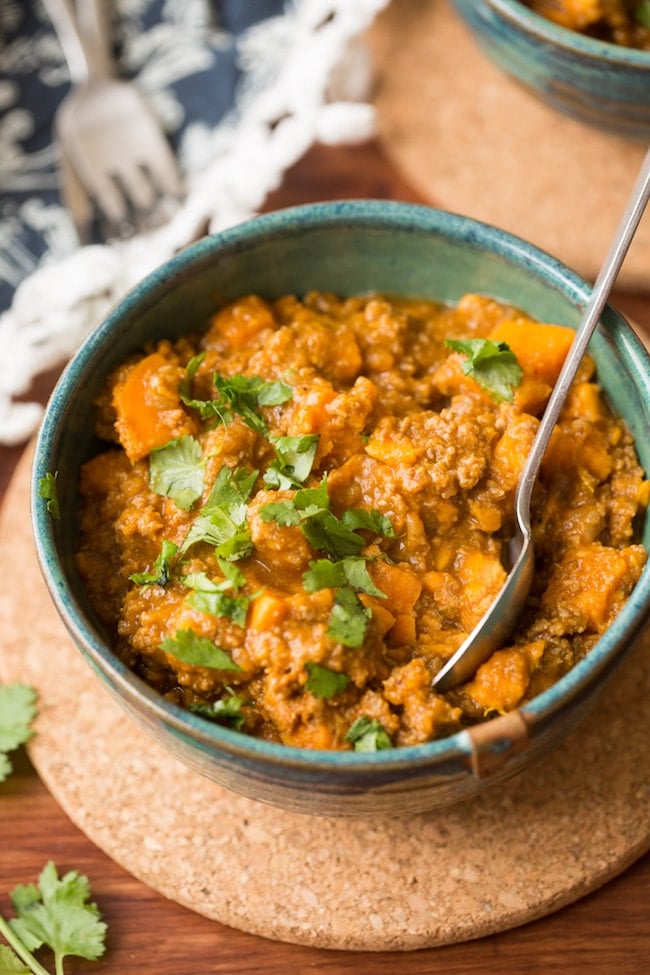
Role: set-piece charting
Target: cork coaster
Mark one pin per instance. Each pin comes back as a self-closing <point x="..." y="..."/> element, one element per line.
<point x="521" y="850"/>
<point x="472" y="140"/>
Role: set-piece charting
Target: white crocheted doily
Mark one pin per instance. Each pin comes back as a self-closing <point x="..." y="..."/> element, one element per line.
<point x="309" y="69"/>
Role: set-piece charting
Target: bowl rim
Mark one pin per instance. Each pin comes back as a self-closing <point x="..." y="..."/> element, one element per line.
<point x="527" y="20"/>
<point x="369" y="213"/>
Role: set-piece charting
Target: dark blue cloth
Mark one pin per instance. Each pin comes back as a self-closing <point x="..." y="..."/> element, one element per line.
<point x="33" y="78"/>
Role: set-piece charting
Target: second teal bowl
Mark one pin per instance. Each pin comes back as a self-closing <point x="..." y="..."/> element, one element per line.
<point x="602" y="84"/>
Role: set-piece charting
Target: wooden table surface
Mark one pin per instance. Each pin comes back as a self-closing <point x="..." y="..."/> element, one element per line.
<point x="605" y="933"/>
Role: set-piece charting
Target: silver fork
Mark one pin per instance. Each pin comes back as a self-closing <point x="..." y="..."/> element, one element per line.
<point x="114" y="156"/>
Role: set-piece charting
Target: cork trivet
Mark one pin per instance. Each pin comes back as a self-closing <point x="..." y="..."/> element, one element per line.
<point x="521" y="850"/>
<point x="472" y="140"/>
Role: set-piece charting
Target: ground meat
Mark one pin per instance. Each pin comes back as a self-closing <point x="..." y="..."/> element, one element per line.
<point x="616" y="21"/>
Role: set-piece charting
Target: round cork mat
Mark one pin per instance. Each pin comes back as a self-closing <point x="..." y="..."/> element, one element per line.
<point x="470" y="139"/>
<point x="520" y="851"/>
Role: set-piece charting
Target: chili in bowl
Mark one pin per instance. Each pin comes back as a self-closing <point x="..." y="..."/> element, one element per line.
<point x="284" y="469"/>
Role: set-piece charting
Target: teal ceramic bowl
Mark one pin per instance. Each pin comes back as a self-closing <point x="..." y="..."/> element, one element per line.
<point x="602" y="84"/>
<point x="346" y="247"/>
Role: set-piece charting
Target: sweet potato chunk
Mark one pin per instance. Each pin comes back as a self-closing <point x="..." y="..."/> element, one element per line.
<point x="148" y="407"/>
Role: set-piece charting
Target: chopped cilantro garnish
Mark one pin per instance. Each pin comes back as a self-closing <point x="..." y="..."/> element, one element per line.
<point x="327" y="533"/>
<point x="48" y="491"/>
<point x="222" y="521"/>
<point x="351" y="571"/>
<point x="349" y="618"/>
<point x="232" y="489"/>
<point x="358" y="519"/>
<point x="368" y="735"/>
<point x="493" y="365"/>
<point x="214" y="597"/>
<point x="337" y="537"/>
<point x="160" y="572"/>
<point x="227" y="710"/>
<point x="56" y="913"/>
<point x="323" y="682"/>
<point x="294" y="461"/>
<point x="198" y="651"/>
<point x="245" y="395"/>
<point x="176" y="471"/>
<point x="235" y="576"/>
<point x="17" y="711"/>
<point x="207" y="408"/>
<point x="306" y="503"/>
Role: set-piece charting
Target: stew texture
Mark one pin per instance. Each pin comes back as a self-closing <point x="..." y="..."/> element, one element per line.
<point x="303" y="511"/>
<point x="622" y="22"/>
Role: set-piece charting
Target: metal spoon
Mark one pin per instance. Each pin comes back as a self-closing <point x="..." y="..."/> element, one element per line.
<point x="493" y="630"/>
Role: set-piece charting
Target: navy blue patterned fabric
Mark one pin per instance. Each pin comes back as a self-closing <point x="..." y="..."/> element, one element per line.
<point x="187" y="68"/>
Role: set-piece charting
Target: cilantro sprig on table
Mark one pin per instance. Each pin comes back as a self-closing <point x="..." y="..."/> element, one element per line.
<point x="57" y="913"/>
<point x="17" y="711"/>
<point x="492" y="364"/>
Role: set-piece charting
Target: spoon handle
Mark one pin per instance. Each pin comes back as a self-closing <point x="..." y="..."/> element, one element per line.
<point x="496" y="625"/>
<point x="598" y="298"/>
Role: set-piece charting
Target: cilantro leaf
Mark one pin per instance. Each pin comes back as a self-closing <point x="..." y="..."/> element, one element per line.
<point x="349" y="619"/>
<point x="213" y="597"/>
<point x="309" y="501"/>
<point x="368" y="735"/>
<point x="10" y="963"/>
<point x="294" y="461"/>
<point x="48" y="491"/>
<point x="325" y="532"/>
<point x="323" y="682"/>
<point x="17" y="711"/>
<point x="227" y="710"/>
<point x="5" y="767"/>
<point x="364" y="519"/>
<point x="207" y="408"/>
<point x="235" y="576"/>
<point x="245" y="395"/>
<point x="324" y="574"/>
<point x="176" y="471"/>
<point x="351" y="571"/>
<point x="57" y="913"/>
<point x="283" y="512"/>
<point x="161" y="571"/>
<point x="232" y="489"/>
<point x="198" y="651"/>
<point x="493" y="365"/>
<point x="222" y="520"/>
